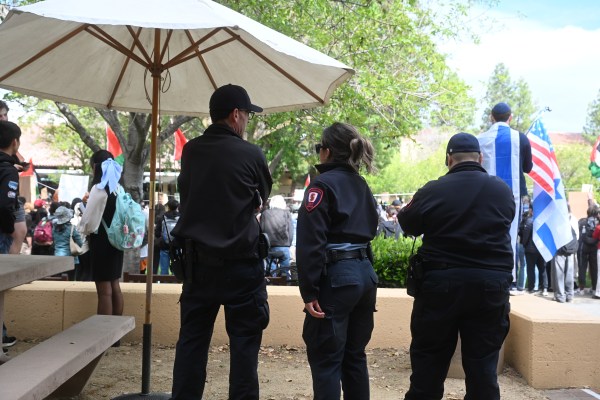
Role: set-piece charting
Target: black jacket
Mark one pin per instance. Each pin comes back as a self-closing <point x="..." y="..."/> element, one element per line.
<point x="9" y="192"/>
<point x="526" y="234"/>
<point x="338" y="207"/>
<point x="464" y="217"/>
<point x="222" y="181"/>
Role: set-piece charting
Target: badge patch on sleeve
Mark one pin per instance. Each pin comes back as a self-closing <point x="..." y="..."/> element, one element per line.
<point x="313" y="199"/>
<point x="12" y="195"/>
<point x="13" y="185"/>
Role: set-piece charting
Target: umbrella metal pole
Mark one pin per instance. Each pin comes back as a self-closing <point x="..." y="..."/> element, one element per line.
<point x="147" y="331"/>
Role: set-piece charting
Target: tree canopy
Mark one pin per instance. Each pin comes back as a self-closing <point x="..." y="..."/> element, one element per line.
<point x="501" y="88"/>
<point x="592" y="123"/>
<point x="402" y="82"/>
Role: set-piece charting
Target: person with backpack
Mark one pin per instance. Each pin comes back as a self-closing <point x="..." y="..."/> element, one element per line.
<point x="589" y="246"/>
<point x="62" y="231"/>
<point x="106" y="260"/>
<point x="162" y="230"/>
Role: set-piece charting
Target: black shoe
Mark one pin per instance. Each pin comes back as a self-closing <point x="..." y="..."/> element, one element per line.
<point x="117" y="344"/>
<point x="8" y="341"/>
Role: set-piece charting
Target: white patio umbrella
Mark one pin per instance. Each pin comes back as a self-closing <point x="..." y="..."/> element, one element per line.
<point x="157" y="57"/>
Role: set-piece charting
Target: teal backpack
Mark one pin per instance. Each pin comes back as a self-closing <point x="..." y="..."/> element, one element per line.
<point x="128" y="226"/>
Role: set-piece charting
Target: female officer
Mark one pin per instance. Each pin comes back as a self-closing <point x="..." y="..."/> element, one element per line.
<point x="336" y="222"/>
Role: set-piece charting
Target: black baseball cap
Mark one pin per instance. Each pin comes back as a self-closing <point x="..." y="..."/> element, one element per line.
<point x="463" y="143"/>
<point x="229" y="97"/>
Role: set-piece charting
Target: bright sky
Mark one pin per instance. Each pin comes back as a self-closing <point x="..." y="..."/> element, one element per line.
<point x="551" y="44"/>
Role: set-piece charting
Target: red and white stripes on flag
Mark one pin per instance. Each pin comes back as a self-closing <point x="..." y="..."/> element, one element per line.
<point x="551" y="226"/>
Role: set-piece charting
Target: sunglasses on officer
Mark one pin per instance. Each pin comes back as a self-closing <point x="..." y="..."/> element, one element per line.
<point x="318" y="147"/>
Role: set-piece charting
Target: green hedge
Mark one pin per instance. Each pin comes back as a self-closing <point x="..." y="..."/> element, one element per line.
<point x="391" y="259"/>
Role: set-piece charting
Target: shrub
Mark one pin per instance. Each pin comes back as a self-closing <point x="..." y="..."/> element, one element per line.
<point x="391" y="259"/>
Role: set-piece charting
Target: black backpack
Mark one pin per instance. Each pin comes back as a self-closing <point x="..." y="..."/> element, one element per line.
<point x="587" y="227"/>
<point x="571" y="247"/>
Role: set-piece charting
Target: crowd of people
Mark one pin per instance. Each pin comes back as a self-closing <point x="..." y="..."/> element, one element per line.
<point x="475" y="222"/>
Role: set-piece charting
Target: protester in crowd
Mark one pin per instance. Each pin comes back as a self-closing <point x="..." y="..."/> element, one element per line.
<point x="588" y="248"/>
<point x="159" y="212"/>
<point x="564" y="264"/>
<point x="220" y="233"/>
<point x="461" y="274"/>
<point x="106" y="260"/>
<point x="28" y="242"/>
<point x="144" y="248"/>
<point x="390" y="226"/>
<point x="10" y="140"/>
<point x="336" y="223"/>
<point x="62" y="231"/>
<point x="532" y="256"/>
<point x="594" y="276"/>
<point x="170" y="216"/>
<point x="277" y="223"/>
<point x="521" y="261"/>
<point x="20" y="231"/>
<point x="83" y="270"/>
<point x="507" y="154"/>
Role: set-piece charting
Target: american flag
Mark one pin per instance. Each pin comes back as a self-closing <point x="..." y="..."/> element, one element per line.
<point x="551" y="226"/>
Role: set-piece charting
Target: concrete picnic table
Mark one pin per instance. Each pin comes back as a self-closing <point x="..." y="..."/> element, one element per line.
<point x="16" y="270"/>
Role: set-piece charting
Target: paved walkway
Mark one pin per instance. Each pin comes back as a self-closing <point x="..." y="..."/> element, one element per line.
<point x="580" y="302"/>
<point x="571" y="394"/>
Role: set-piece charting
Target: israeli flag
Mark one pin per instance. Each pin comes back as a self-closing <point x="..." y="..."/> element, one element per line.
<point x="500" y="148"/>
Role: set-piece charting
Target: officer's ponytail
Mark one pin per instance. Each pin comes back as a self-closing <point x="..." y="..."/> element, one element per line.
<point x="348" y="146"/>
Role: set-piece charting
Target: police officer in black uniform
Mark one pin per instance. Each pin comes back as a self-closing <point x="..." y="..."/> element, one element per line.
<point x="463" y="271"/>
<point x="223" y="182"/>
<point x="336" y="222"/>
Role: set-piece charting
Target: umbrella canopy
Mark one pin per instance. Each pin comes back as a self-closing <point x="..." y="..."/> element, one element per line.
<point x="157" y="57"/>
<point x="101" y="54"/>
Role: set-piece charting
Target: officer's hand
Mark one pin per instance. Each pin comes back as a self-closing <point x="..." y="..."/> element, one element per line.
<point x="314" y="309"/>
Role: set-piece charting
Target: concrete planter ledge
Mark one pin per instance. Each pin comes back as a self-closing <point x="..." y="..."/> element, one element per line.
<point x="552" y="345"/>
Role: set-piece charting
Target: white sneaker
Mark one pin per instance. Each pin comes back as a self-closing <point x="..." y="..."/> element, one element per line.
<point x="545" y="293"/>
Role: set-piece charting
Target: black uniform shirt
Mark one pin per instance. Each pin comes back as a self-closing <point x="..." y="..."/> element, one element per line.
<point x="220" y="176"/>
<point x="338" y="207"/>
<point x="9" y="192"/>
<point x="465" y="218"/>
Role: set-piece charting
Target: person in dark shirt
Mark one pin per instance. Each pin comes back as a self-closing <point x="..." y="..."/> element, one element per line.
<point x="10" y="140"/>
<point x="336" y="222"/>
<point x="461" y="273"/>
<point x="223" y="183"/>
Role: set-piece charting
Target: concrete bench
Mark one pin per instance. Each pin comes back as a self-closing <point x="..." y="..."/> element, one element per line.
<point x="61" y="366"/>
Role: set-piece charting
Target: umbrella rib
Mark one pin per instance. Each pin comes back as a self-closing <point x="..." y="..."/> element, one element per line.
<point x="112" y="42"/>
<point x="44" y="51"/>
<point x="166" y="44"/>
<point x="183" y="56"/>
<point x="139" y="45"/>
<point x="125" y="64"/>
<point x="201" y="59"/>
<point x="214" y="46"/>
<point x="275" y="66"/>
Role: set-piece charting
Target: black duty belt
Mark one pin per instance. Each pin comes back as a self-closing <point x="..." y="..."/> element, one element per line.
<point x="333" y="256"/>
<point x="429" y="265"/>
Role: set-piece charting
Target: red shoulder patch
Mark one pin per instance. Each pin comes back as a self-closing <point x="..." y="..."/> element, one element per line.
<point x="313" y="199"/>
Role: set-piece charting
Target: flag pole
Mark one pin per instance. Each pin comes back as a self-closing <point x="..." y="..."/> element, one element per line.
<point x="538" y="116"/>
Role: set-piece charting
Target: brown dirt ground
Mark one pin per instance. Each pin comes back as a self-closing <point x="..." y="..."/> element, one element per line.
<point x="283" y="372"/>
